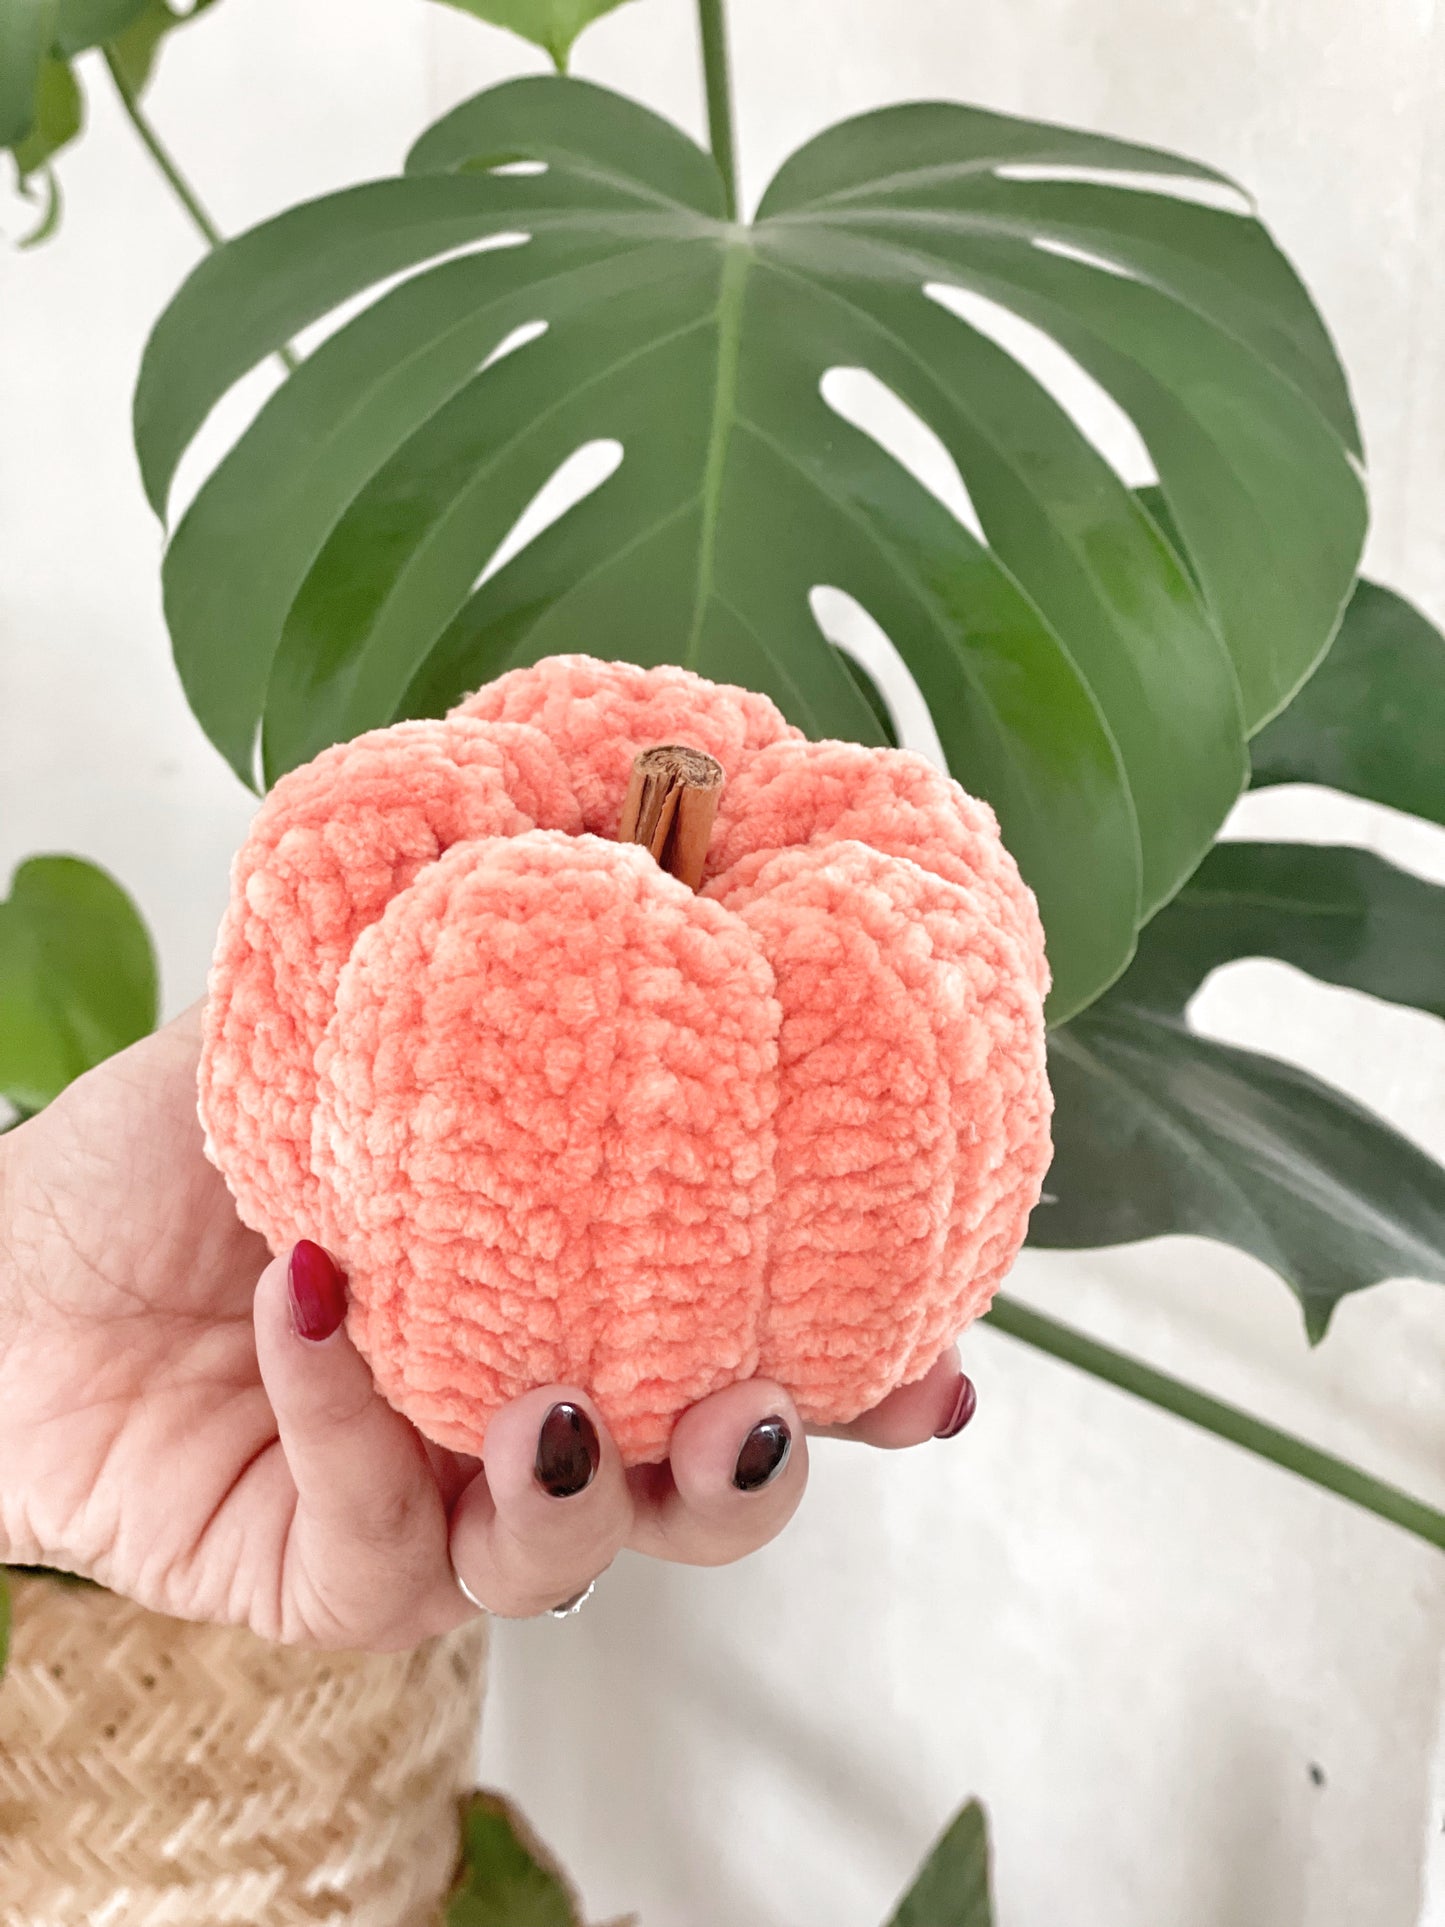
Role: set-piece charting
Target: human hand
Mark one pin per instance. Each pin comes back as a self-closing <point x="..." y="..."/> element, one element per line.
<point x="213" y="1447"/>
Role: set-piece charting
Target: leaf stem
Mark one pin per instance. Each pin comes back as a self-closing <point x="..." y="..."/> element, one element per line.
<point x="1225" y="1421"/>
<point x="175" y="179"/>
<point x="713" y="29"/>
<point x="154" y="146"/>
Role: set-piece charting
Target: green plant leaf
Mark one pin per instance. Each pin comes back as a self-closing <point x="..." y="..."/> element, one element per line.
<point x="59" y="117"/>
<point x="507" y="1879"/>
<point x="1344" y="915"/>
<point x="77" y="976"/>
<point x="51" y="203"/>
<point x="552" y="25"/>
<point x="332" y="573"/>
<point x="1157" y="1129"/>
<point x="952" y="1890"/>
<point x="26" y="29"/>
<point x="42" y="108"/>
<point x="80" y="24"/>
<point x="137" y="47"/>
<point x="1369" y="720"/>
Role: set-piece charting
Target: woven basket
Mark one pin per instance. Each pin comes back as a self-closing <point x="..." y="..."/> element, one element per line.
<point x="155" y="1773"/>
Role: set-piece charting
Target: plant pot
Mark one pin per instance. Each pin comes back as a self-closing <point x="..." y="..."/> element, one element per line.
<point x="156" y="1773"/>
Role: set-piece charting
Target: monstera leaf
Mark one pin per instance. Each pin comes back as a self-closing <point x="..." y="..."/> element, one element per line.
<point x="571" y="280"/>
<point x="1157" y="1129"/>
<point x="77" y="976"/>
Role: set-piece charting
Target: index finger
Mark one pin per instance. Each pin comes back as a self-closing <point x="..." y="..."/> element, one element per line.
<point x="936" y="1406"/>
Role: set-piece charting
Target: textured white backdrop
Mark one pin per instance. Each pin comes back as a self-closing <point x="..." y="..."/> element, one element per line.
<point x="1133" y="1642"/>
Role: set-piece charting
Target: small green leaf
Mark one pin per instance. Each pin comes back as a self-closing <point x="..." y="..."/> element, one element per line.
<point x="80" y="24"/>
<point x="552" y="25"/>
<point x="59" y="117"/>
<point x="50" y="207"/>
<point x="1159" y="1130"/>
<point x="952" y="1890"/>
<point x="77" y="976"/>
<point x="136" y="48"/>
<point x="506" y="1879"/>
<point x="1369" y="721"/>
<point x="26" y="29"/>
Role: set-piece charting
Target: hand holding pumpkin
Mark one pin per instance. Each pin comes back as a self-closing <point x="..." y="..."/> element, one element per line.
<point x="629" y="1181"/>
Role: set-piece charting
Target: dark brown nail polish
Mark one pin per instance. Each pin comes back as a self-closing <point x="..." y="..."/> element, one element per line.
<point x="568" y="1452"/>
<point x="764" y="1454"/>
<point x="316" y="1287"/>
<point x="965" y="1404"/>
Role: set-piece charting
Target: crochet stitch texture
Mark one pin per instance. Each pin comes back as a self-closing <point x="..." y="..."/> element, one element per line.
<point x="562" y="1120"/>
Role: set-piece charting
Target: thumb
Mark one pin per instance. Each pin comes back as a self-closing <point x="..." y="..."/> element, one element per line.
<point x="365" y="1560"/>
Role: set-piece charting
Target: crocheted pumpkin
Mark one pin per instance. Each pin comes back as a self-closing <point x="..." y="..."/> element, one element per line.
<point x="564" y="1119"/>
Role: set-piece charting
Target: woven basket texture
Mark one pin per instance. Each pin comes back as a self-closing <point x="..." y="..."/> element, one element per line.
<point x="155" y="1773"/>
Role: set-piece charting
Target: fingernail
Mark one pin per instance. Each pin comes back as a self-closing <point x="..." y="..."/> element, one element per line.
<point x="764" y="1454"/>
<point x="568" y="1452"/>
<point x="965" y="1404"/>
<point x="317" y="1290"/>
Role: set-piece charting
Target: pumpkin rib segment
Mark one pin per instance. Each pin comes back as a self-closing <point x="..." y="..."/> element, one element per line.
<point x="895" y="801"/>
<point x="327" y="850"/>
<point x="865" y="1140"/>
<point x="968" y="979"/>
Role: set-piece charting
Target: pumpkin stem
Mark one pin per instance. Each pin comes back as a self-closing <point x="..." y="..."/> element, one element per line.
<point x="672" y="798"/>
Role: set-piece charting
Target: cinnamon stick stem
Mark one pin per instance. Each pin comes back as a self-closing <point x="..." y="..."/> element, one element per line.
<point x="671" y="802"/>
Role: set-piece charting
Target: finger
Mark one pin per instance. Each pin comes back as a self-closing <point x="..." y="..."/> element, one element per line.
<point x="936" y="1406"/>
<point x="736" y="1470"/>
<point x="551" y="1511"/>
<point x="365" y="1558"/>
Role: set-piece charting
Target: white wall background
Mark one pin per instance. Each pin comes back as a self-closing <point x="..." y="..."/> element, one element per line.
<point x="1133" y="1642"/>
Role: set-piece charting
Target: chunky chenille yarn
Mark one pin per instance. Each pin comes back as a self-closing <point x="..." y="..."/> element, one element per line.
<point x="563" y="1120"/>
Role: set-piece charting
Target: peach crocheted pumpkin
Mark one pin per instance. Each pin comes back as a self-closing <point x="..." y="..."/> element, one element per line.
<point x="561" y="1118"/>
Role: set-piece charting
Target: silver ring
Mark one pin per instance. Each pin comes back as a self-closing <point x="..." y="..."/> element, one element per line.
<point x="573" y="1605"/>
<point x="564" y="1611"/>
